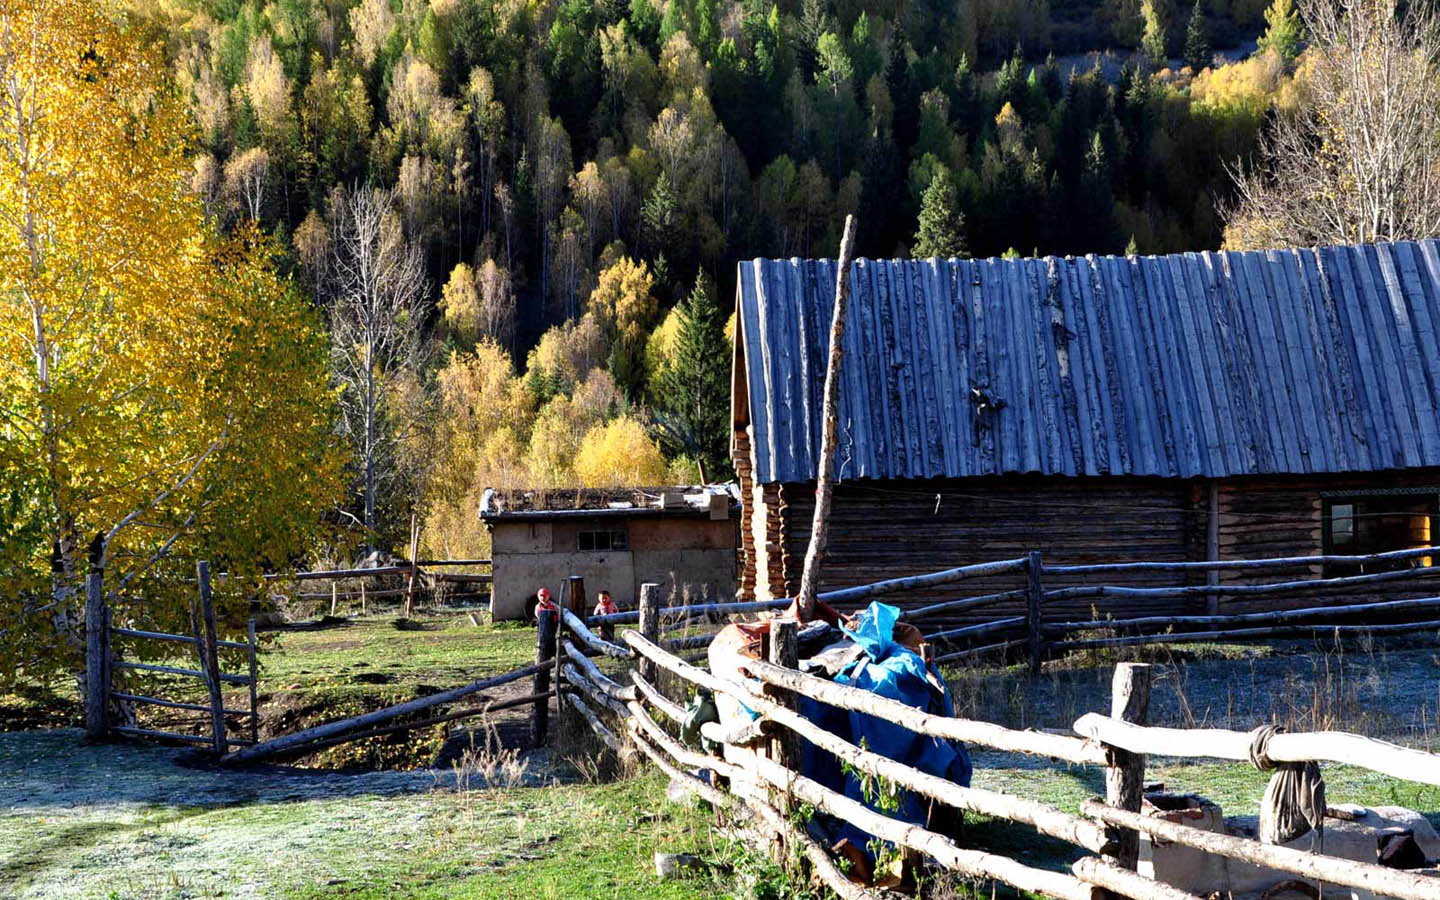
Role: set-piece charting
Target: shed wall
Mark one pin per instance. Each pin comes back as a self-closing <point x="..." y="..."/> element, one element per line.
<point x="690" y="556"/>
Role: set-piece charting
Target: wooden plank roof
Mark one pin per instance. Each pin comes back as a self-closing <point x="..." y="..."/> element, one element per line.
<point x="1192" y="365"/>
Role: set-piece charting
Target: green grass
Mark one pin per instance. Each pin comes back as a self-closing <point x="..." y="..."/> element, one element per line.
<point x="450" y="651"/>
<point x="561" y="842"/>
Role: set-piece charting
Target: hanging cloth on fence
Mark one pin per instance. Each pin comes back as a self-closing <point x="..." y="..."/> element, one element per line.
<point x="892" y="670"/>
<point x="1295" y="797"/>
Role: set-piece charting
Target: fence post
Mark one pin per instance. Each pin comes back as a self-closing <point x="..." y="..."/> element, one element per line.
<point x="1034" y="596"/>
<point x="577" y="595"/>
<point x="649" y="624"/>
<point x="254" y="673"/>
<point x="1125" y="771"/>
<point x="546" y="621"/>
<point x="566" y="602"/>
<point x="784" y="651"/>
<point x="209" y="661"/>
<point x="96" y="687"/>
<point x="410" y="579"/>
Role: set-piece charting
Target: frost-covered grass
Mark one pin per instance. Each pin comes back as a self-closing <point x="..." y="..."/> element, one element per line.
<point x="127" y="821"/>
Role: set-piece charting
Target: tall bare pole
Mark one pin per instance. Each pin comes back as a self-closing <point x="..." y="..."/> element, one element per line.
<point x="825" y="477"/>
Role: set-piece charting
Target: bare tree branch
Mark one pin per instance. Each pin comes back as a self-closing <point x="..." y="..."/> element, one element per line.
<point x="1359" y="160"/>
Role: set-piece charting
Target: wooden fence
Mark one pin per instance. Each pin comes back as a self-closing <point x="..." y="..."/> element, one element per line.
<point x="628" y="718"/>
<point x="419" y="577"/>
<point x="1040" y="634"/>
<point x="101" y="661"/>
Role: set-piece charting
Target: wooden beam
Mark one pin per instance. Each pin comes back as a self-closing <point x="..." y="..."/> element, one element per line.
<point x="598" y="678"/>
<point x="329" y="729"/>
<point x="1293" y="747"/>
<point x="974" y="863"/>
<point x="1034" y="596"/>
<point x="575" y="680"/>
<point x="1240" y="590"/>
<point x="176" y="638"/>
<point x="910" y="615"/>
<point x="1279" y="616"/>
<point x="175" y="736"/>
<point x="174" y="704"/>
<point x="1034" y="743"/>
<point x="1241" y="633"/>
<point x="1382" y="881"/>
<point x="984" y="628"/>
<point x="589" y="639"/>
<point x="176" y="670"/>
<point x="605" y="734"/>
<point x="1231" y="564"/>
<point x="672" y="710"/>
<point x="917" y="582"/>
<point x="825" y="867"/>
<point x="1124" y="883"/>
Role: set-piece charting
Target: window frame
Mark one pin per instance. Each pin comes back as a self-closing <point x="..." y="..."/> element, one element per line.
<point x="616" y="539"/>
<point x="1356" y="500"/>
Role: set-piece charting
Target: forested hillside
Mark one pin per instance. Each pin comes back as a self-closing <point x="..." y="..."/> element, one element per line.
<point x="521" y="217"/>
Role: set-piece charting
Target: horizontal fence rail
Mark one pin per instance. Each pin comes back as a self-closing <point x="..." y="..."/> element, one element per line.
<point x="766" y="690"/>
<point x="1217" y="743"/>
<point x="1278" y="562"/>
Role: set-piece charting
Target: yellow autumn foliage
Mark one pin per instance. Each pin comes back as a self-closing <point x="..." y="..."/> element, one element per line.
<point x="1249" y="87"/>
<point x="619" y="453"/>
<point x="163" y="394"/>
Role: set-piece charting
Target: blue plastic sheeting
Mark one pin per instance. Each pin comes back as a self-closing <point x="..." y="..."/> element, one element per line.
<point x="894" y="671"/>
<point x="1193" y="365"/>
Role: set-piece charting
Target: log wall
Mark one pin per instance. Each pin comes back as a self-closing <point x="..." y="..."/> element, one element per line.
<point x="890" y="529"/>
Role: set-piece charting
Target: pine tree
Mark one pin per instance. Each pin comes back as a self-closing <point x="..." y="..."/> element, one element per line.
<point x="942" y="226"/>
<point x="1283" y="31"/>
<point x="1152" y="41"/>
<point x="694" y="386"/>
<point x="1197" y="40"/>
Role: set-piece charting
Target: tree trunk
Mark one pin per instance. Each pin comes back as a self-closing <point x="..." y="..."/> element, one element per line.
<point x="369" y="447"/>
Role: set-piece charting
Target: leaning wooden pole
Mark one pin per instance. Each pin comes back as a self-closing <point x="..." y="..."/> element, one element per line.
<point x="825" y="475"/>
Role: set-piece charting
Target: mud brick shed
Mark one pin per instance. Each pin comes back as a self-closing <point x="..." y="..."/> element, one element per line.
<point x="1099" y="409"/>
<point x="683" y="538"/>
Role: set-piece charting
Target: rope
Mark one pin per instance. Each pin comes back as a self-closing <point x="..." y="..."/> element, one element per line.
<point x="1294" y="802"/>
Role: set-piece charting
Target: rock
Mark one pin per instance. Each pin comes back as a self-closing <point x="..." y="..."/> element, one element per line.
<point x="670" y="866"/>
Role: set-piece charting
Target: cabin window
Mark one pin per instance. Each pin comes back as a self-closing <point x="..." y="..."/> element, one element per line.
<point x="603" y="539"/>
<point x="1366" y="524"/>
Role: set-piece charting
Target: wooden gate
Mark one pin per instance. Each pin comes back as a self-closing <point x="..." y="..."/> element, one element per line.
<point x="100" y="662"/>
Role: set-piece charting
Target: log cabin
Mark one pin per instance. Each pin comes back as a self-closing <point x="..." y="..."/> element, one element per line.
<point x="1195" y="407"/>
<point x="682" y="538"/>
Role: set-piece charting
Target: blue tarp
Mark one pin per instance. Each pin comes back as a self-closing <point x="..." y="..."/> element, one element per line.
<point x="894" y="671"/>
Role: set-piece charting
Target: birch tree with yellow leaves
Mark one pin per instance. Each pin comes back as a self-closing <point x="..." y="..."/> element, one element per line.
<point x="163" y="393"/>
